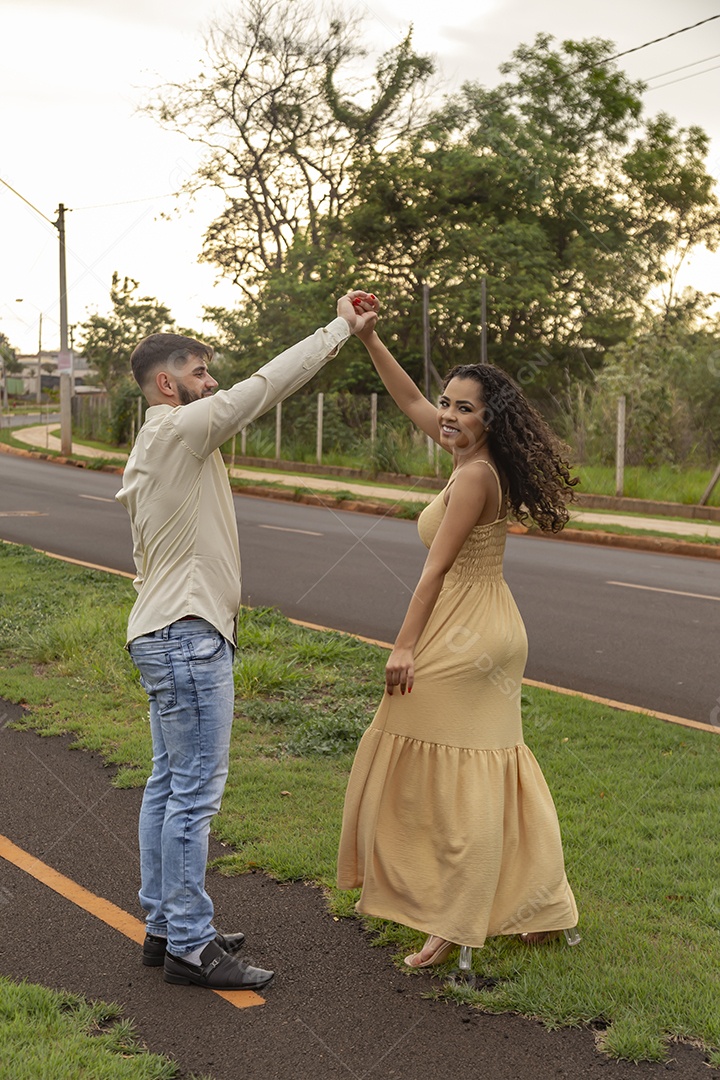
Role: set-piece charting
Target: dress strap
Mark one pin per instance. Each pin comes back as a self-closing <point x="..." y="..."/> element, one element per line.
<point x="501" y="500"/>
<point x="499" y="485"/>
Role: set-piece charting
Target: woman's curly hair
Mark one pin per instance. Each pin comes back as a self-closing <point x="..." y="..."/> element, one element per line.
<point x="531" y="456"/>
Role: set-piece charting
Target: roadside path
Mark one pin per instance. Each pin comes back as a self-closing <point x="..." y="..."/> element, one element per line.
<point x="38" y="437"/>
<point x="338" y="1009"/>
<point x="418" y="495"/>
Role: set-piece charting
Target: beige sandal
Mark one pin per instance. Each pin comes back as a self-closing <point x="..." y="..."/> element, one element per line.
<point x="441" y="952"/>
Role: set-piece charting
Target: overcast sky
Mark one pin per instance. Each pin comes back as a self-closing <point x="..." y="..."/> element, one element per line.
<point x="74" y="72"/>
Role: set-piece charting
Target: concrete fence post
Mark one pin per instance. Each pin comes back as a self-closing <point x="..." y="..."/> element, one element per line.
<point x="319" y="444"/>
<point x="620" y="448"/>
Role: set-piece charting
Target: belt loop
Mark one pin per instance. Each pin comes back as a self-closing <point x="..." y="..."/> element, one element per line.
<point x="165" y="633"/>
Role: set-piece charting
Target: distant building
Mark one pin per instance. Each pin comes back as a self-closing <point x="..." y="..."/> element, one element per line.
<point x="50" y="377"/>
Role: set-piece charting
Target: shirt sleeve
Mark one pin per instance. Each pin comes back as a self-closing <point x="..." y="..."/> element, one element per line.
<point x="206" y="424"/>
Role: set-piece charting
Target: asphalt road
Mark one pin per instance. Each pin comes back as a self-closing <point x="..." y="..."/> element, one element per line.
<point x="632" y="626"/>
<point x="24" y="419"/>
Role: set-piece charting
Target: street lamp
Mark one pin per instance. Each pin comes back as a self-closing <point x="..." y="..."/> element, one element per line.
<point x="20" y="300"/>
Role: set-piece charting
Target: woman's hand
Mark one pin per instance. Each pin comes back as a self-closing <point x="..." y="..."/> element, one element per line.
<point x="360" y="311"/>
<point x="400" y="670"/>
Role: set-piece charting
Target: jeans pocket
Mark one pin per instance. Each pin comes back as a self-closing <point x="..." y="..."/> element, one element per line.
<point x="204" y="648"/>
<point x="156" y="675"/>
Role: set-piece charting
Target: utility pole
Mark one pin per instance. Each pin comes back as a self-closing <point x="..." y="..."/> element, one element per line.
<point x="64" y="358"/>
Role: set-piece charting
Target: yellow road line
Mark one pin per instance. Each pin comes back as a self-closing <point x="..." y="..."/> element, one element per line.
<point x="346" y="633"/>
<point x="668" y="717"/>
<point x="68" y="559"/>
<point x="102" y="909"/>
<point x="624" y="706"/>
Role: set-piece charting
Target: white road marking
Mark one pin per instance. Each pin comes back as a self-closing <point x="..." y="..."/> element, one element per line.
<point x="673" y="592"/>
<point x="280" y="528"/>
<point x="97" y="498"/>
<point x="22" y="513"/>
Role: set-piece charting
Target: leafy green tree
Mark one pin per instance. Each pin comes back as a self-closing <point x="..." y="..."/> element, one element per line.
<point x="8" y="355"/>
<point x="669" y="373"/>
<point x="108" y="340"/>
<point x="277" y="113"/>
<point x="550" y="188"/>
<point x="553" y="188"/>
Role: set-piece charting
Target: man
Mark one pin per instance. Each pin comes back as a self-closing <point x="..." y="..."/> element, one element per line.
<point x="181" y="632"/>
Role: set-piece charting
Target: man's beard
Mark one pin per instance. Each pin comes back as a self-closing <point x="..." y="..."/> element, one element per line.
<point x="185" y="395"/>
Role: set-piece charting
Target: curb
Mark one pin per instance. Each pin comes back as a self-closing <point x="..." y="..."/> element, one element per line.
<point x="661" y="545"/>
<point x="78" y="463"/>
<point x="327" y="499"/>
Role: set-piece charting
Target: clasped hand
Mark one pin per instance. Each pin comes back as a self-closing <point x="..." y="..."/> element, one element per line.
<point x="360" y="311"/>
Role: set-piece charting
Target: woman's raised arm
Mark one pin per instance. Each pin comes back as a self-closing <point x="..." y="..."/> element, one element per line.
<point x="400" y="386"/>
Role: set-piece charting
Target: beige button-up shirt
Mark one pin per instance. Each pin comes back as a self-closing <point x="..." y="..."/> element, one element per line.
<point x="177" y="492"/>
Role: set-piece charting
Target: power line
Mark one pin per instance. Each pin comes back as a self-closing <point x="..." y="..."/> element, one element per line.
<point x="132" y="202"/>
<point x="682" y="78"/>
<point x="500" y="99"/>
<point x="656" y="41"/>
<point x="683" y="67"/>
<point x="38" y="212"/>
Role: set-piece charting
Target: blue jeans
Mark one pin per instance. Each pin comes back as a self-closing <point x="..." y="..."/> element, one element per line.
<point x="186" y="669"/>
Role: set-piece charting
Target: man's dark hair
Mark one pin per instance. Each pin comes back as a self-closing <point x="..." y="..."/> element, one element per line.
<point x="165" y="350"/>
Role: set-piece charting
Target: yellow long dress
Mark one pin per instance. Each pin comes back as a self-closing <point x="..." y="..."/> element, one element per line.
<point x="449" y="826"/>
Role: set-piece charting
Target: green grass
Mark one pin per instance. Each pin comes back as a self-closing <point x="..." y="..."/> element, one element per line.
<point x="637" y="800"/>
<point x="95" y="445"/>
<point x="8" y="438"/>
<point x="44" y="1033"/>
<point x="625" y="530"/>
<point x="407" y="510"/>
<point x="663" y="483"/>
<point x="22" y="410"/>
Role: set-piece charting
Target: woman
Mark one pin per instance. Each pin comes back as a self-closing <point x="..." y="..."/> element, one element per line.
<point x="449" y="826"/>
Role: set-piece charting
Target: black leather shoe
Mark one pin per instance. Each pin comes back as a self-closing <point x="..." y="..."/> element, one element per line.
<point x="154" y="947"/>
<point x="217" y="970"/>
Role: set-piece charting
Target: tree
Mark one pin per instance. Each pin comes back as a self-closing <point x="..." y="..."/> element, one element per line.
<point x="8" y="356"/>
<point x="280" y="134"/>
<point x="551" y="189"/>
<point x="669" y="373"/>
<point x="108" y="340"/>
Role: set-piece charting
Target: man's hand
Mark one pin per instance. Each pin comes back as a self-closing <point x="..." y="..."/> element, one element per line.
<point x="360" y="310"/>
